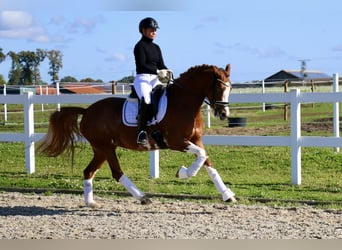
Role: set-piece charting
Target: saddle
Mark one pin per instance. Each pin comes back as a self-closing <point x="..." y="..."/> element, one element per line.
<point x="155" y="114"/>
<point x="156" y="95"/>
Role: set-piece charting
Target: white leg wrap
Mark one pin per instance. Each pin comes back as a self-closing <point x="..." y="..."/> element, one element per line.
<point x="126" y="182"/>
<point x="183" y="172"/>
<point x="220" y="186"/>
<point x="88" y="192"/>
<point x="196" y="166"/>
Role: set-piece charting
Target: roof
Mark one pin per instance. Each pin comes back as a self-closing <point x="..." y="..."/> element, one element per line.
<point x="50" y="90"/>
<point x="285" y="74"/>
<point x="81" y="88"/>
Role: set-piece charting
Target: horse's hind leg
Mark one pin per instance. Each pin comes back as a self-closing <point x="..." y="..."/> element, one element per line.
<point x="89" y="173"/>
<point x="119" y="176"/>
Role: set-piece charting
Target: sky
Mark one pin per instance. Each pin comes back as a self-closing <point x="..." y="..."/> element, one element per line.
<point x="258" y="38"/>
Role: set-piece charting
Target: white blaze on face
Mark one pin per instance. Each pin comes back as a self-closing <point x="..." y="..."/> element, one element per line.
<point x="225" y="97"/>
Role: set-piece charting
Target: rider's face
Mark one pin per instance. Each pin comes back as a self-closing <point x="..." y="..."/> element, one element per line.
<point x="150" y="33"/>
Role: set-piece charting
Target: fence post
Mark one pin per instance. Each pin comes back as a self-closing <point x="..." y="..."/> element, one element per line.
<point x="296" y="150"/>
<point x="29" y="132"/>
<point x="286" y="105"/>
<point x="41" y="93"/>
<point x="208" y="116"/>
<point x="5" y="105"/>
<point x="58" y="93"/>
<point x="154" y="163"/>
<point x="336" y="110"/>
<point x="114" y="87"/>
<point x="263" y="92"/>
<point x="312" y="90"/>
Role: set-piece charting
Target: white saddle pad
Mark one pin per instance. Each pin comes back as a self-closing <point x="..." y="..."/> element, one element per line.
<point x="130" y="111"/>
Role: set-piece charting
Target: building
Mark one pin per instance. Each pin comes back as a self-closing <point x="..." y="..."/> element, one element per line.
<point x="298" y="75"/>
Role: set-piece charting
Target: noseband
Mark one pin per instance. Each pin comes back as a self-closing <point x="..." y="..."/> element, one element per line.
<point x="214" y="103"/>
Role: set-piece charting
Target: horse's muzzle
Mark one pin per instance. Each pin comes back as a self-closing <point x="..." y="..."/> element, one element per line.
<point x="222" y="113"/>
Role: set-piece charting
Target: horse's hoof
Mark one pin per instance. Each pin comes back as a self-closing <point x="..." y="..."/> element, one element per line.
<point x="182" y="173"/>
<point x="92" y="205"/>
<point x="145" y="201"/>
<point x="231" y="200"/>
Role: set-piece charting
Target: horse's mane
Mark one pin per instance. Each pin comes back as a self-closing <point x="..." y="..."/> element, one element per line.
<point x="196" y="69"/>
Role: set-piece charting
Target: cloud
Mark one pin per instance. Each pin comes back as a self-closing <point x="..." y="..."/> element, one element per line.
<point x="260" y="52"/>
<point x="83" y="24"/>
<point x="207" y="21"/>
<point x="337" y="48"/>
<point x="118" y="57"/>
<point x="146" y="5"/>
<point x="21" y="25"/>
<point x="268" y="52"/>
<point x="57" y="20"/>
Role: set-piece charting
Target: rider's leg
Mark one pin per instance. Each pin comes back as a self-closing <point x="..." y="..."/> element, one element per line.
<point x="143" y="85"/>
<point x="142" y="121"/>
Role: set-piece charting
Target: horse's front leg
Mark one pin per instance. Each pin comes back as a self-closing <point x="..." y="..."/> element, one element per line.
<point x="201" y="158"/>
<point x="227" y="193"/>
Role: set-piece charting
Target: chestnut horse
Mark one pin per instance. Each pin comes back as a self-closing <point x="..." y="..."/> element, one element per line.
<point x="181" y="129"/>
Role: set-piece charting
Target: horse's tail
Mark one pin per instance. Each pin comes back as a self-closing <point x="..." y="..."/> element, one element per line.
<point x="62" y="133"/>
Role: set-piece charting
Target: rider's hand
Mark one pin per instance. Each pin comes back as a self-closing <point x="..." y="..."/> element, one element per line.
<point x="162" y="73"/>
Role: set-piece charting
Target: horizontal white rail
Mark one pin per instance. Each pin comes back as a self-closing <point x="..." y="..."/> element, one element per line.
<point x="295" y="140"/>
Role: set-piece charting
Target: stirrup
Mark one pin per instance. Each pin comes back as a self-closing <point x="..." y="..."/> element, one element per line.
<point x="142" y="138"/>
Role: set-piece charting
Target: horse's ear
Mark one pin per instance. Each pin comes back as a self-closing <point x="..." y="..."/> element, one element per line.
<point x="228" y="69"/>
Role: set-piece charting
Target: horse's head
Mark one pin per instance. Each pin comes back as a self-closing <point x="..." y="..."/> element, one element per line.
<point x="219" y="94"/>
<point x="210" y="83"/>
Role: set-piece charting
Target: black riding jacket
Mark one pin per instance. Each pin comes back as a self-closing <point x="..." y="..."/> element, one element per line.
<point x="148" y="57"/>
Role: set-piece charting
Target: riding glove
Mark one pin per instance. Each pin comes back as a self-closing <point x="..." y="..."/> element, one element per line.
<point x="162" y="73"/>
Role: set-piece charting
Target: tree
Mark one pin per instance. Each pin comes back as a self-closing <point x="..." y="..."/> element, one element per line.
<point x="69" y="79"/>
<point x="88" y="79"/>
<point x="27" y="59"/>
<point x="2" y="56"/>
<point x="40" y="56"/>
<point x="25" y="67"/>
<point x="14" y="75"/>
<point x="127" y="79"/>
<point x="2" y="80"/>
<point x="55" y="57"/>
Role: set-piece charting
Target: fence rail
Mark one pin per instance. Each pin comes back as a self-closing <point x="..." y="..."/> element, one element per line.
<point x="295" y="140"/>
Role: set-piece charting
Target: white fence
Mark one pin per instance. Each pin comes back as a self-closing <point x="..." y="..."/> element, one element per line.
<point x="295" y="140"/>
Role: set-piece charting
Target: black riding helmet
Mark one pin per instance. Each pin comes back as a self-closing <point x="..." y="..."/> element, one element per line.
<point x="148" y="22"/>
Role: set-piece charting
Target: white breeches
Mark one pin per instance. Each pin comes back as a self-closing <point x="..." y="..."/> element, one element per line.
<point x="143" y="84"/>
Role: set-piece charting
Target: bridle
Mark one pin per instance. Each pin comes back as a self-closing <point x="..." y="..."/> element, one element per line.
<point x="214" y="103"/>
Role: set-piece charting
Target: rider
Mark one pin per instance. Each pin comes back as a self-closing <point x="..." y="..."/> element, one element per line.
<point x="149" y="65"/>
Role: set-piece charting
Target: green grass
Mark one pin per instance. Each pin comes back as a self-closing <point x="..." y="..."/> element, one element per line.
<point x="251" y="172"/>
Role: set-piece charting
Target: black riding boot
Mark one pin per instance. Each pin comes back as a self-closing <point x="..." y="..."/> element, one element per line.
<point x="142" y="121"/>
